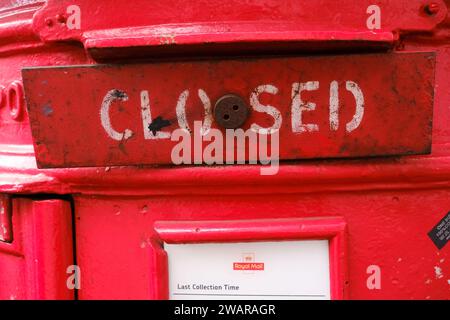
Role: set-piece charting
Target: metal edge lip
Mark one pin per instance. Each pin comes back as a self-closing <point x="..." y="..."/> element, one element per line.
<point x="231" y="58"/>
<point x="17" y="149"/>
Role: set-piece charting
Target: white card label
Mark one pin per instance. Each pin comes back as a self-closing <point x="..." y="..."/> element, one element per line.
<point x="249" y="270"/>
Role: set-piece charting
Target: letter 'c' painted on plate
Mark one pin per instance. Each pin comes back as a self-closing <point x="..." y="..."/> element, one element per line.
<point x="111" y="96"/>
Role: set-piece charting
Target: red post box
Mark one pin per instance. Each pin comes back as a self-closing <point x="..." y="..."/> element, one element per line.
<point x="224" y="150"/>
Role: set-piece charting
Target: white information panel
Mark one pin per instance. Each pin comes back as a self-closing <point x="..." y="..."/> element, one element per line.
<point x="249" y="270"/>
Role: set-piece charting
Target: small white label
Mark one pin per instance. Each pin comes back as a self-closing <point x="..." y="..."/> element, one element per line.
<point x="252" y="270"/>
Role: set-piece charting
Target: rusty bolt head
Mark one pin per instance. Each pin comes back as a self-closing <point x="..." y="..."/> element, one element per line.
<point x="230" y="111"/>
<point x="60" y="18"/>
<point x="432" y="8"/>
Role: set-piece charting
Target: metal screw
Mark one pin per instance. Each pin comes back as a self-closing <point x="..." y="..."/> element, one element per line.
<point x="60" y="18"/>
<point x="432" y="8"/>
<point x="49" y="22"/>
<point x="230" y="111"/>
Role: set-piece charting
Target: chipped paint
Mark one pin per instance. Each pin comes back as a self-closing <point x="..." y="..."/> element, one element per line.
<point x="144" y="209"/>
<point x="111" y="96"/>
<point x="167" y="39"/>
<point x="117" y="210"/>
<point x="438" y="272"/>
<point x="47" y="110"/>
<point x="145" y="243"/>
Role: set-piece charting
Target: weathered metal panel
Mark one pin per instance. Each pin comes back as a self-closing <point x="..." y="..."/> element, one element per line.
<point x="322" y="106"/>
<point x="390" y="205"/>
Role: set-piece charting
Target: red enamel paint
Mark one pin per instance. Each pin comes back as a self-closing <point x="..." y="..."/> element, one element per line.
<point x="375" y="205"/>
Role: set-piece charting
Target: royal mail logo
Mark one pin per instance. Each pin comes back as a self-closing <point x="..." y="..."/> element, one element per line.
<point x="252" y="266"/>
<point x="248" y="263"/>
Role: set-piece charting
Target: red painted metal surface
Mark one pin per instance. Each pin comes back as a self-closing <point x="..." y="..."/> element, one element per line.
<point x="372" y="238"/>
<point x="389" y="204"/>
<point x="5" y="219"/>
<point x="248" y="230"/>
<point x="34" y="265"/>
<point x="387" y="94"/>
<point x="217" y="27"/>
<point x="332" y="229"/>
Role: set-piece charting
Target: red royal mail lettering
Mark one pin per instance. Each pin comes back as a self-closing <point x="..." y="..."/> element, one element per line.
<point x="254" y="266"/>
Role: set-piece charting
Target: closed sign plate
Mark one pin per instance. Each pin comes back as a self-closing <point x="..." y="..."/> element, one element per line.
<point x="321" y="107"/>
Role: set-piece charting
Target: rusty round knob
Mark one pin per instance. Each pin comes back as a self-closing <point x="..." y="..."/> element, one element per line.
<point x="230" y="111"/>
